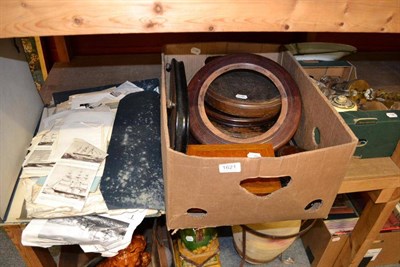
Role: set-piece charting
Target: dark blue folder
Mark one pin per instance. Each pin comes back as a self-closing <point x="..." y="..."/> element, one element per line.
<point x="133" y="177"/>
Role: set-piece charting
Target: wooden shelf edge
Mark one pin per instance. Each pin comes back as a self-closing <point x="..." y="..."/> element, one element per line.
<point x="45" y="18"/>
<point x="370" y="174"/>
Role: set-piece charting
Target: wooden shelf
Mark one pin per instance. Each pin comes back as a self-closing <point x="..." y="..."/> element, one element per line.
<point x="371" y="174"/>
<point x="46" y="18"/>
<point x="380" y="177"/>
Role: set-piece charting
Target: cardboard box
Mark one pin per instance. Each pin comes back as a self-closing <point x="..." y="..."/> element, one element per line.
<point x="21" y="107"/>
<point x="194" y="184"/>
<point x="378" y="131"/>
<point x="20" y="111"/>
<point x="318" y="69"/>
<point x="367" y="125"/>
<point x="384" y="250"/>
<point x="322" y="248"/>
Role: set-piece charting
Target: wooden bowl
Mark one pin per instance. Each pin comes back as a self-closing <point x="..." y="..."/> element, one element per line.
<point x="289" y="117"/>
<point x="244" y="93"/>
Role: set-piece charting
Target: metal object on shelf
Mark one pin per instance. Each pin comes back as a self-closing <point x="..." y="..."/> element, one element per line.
<point x="342" y="103"/>
<point x="358" y="91"/>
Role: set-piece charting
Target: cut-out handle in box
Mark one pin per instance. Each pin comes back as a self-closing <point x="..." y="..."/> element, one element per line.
<point x="260" y="186"/>
<point x="362" y="142"/>
<point x="361" y="121"/>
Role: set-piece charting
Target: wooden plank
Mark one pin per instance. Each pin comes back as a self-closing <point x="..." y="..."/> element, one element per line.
<point x="62" y="48"/>
<point x="368" y="184"/>
<point x="33" y="256"/>
<point x="371" y="174"/>
<point x="365" y="232"/>
<point x="381" y="196"/>
<point x="46" y="17"/>
<point x="42" y="61"/>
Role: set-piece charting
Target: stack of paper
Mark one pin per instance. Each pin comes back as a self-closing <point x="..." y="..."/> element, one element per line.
<point x="88" y="117"/>
<point x="61" y="175"/>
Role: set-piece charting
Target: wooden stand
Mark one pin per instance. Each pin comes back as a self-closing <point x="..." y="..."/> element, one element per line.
<point x="380" y="177"/>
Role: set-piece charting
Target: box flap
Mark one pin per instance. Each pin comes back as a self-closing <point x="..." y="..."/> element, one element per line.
<point x="219" y="48"/>
<point x="20" y="110"/>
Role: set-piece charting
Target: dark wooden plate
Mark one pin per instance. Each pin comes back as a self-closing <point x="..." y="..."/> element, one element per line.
<point x="178" y="120"/>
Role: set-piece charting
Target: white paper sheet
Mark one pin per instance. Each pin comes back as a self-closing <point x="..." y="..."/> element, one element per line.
<point x="105" y="234"/>
<point x="91" y="126"/>
<point x="71" y="178"/>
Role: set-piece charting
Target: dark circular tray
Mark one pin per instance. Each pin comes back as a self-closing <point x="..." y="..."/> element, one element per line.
<point x="178" y="116"/>
<point x="289" y="117"/>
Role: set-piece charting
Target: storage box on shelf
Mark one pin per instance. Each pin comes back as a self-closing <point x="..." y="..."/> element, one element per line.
<point x="322" y="247"/>
<point x="376" y="127"/>
<point x="326" y="238"/>
<point x="21" y="107"/>
<point x="377" y="130"/>
<point x="61" y="80"/>
<point x="316" y="69"/>
<point x="384" y="250"/>
<point x="324" y="241"/>
<point x="193" y="183"/>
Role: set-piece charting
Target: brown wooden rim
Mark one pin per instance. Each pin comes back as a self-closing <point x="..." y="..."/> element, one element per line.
<point x="284" y="128"/>
<point x="227" y="119"/>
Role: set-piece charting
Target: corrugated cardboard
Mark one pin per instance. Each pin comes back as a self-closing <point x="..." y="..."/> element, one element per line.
<point x="388" y="245"/>
<point x="193" y="183"/>
<point x="372" y="143"/>
<point x="322" y="248"/>
<point x="20" y="109"/>
<point x="318" y="69"/>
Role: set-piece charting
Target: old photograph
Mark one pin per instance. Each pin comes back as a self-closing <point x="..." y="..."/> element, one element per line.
<point x="67" y="185"/>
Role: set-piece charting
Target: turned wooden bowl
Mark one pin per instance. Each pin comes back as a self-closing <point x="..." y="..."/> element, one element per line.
<point x="290" y="103"/>
<point x="244" y="93"/>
